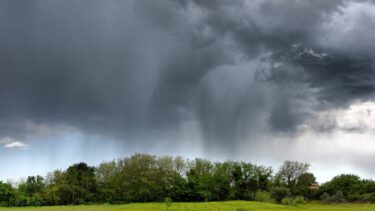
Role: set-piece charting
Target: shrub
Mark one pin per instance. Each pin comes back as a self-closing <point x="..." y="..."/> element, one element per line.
<point x="35" y="200"/>
<point x="338" y="198"/>
<point x="369" y="197"/>
<point x="356" y="197"/>
<point x="299" y="200"/>
<point x="287" y="201"/>
<point x="263" y="196"/>
<point x="279" y="193"/>
<point x="324" y="196"/>
<point x="334" y="199"/>
<point x="168" y="202"/>
<point x="345" y="183"/>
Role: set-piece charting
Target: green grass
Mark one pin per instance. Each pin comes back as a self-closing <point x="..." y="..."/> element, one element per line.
<point x="213" y="206"/>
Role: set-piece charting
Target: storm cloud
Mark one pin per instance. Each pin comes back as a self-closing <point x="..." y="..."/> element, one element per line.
<point x="235" y="70"/>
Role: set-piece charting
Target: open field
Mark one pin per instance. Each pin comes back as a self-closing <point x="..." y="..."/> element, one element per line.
<point x="212" y="206"/>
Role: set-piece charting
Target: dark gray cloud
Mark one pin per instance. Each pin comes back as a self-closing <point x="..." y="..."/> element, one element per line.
<point x="339" y="77"/>
<point x="135" y="68"/>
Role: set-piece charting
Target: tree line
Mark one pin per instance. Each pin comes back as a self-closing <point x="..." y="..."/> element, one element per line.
<point x="147" y="178"/>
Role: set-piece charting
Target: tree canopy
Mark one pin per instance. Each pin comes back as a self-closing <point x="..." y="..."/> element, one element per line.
<point x="146" y="178"/>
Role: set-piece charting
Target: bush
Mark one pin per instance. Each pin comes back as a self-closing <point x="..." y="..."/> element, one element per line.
<point x="325" y="196"/>
<point x="35" y="200"/>
<point x="287" y="201"/>
<point x="345" y="183"/>
<point x="369" y="197"/>
<point x="279" y="193"/>
<point x="263" y="196"/>
<point x="299" y="200"/>
<point x="337" y="198"/>
<point x="356" y="197"/>
<point x="168" y="202"/>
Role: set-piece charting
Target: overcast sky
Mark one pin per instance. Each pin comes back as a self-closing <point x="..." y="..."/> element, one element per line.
<point x="261" y="81"/>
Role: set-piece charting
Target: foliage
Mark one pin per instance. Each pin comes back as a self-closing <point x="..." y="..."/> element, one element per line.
<point x="351" y="187"/>
<point x="279" y="193"/>
<point x="263" y="196"/>
<point x="147" y="178"/>
<point x="324" y="196"/>
<point x="299" y="200"/>
<point x="345" y="183"/>
<point x="290" y="174"/>
<point x="287" y="201"/>
<point x="368" y="197"/>
<point x="30" y="192"/>
<point x="304" y="182"/>
<point x="7" y="195"/>
<point x="337" y="198"/>
<point x="168" y="202"/>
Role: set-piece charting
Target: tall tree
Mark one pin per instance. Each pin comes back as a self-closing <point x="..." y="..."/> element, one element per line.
<point x="289" y="173"/>
<point x="76" y="186"/>
<point x="7" y="195"/>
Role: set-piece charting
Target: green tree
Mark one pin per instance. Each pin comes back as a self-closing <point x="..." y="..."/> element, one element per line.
<point x="31" y="192"/>
<point x="34" y="185"/>
<point x="289" y="173"/>
<point x="107" y="179"/>
<point x="7" y="194"/>
<point x="141" y="180"/>
<point x="248" y="179"/>
<point x="279" y="193"/>
<point x="347" y="184"/>
<point x="77" y="185"/>
<point x="303" y="185"/>
<point x="222" y="177"/>
<point x="200" y="180"/>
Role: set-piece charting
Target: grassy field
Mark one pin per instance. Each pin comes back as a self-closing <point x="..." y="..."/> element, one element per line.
<point x="213" y="206"/>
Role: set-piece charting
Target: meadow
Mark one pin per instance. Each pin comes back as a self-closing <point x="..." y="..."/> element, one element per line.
<point x="212" y="206"/>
